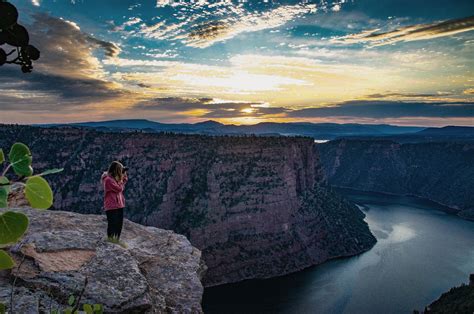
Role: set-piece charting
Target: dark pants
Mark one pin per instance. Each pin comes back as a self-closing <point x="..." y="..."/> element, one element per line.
<point x="115" y="222"/>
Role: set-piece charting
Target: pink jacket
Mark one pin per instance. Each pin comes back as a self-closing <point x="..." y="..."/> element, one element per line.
<point x="113" y="192"/>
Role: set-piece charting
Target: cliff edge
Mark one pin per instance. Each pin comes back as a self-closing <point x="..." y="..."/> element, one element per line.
<point x="159" y="272"/>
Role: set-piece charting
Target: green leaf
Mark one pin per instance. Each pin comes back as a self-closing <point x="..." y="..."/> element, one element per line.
<point x="6" y="261"/>
<point x="20" y="159"/>
<point x="3" y="308"/>
<point x="4" y="190"/>
<point x="68" y="311"/>
<point x="88" y="309"/>
<point x="50" y="171"/>
<point x="2" y="156"/>
<point x="12" y="227"/>
<point x="38" y="193"/>
<point x="71" y="300"/>
<point x="98" y="309"/>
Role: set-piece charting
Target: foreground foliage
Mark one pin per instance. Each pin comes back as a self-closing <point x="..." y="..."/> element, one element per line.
<point x="13" y="225"/>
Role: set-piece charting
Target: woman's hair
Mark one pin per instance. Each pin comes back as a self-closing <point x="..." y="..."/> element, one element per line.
<point x="116" y="170"/>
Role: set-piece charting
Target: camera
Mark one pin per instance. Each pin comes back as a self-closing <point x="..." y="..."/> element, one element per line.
<point x="125" y="169"/>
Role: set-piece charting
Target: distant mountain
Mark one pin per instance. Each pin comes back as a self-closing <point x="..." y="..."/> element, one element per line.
<point x="209" y="124"/>
<point x="125" y="124"/>
<point x="448" y="131"/>
<point x="323" y="131"/>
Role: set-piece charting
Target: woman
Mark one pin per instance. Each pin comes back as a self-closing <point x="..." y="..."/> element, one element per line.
<point x="114" y="181"/>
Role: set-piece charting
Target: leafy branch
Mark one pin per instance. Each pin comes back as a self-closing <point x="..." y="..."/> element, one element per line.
<point x="13" y="225"/>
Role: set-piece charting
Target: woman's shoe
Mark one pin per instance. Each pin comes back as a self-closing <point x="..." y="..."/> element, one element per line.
<point x="115" y="240"/>
<point x="123" y="244"/>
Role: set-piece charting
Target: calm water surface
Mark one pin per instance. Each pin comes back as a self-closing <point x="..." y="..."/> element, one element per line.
<point x="421" y="252"/>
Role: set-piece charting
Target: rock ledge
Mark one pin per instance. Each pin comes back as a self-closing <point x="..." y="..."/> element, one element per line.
<point x="159" y="272"/>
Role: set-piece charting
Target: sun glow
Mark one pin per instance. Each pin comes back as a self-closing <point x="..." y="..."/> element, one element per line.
<point x="247" y="110"/>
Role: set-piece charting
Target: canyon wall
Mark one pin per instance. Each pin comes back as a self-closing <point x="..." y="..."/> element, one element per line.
<point x="256" y="207"/>
<point x="439" y="171"/>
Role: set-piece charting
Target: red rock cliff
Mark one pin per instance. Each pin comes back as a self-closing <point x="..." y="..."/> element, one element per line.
<point x="257" y="207"/>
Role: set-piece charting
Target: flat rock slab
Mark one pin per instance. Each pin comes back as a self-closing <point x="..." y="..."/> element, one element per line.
<point x="159" y="271"/>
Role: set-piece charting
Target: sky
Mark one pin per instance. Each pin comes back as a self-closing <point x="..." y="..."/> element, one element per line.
<point x="403" y="62"/>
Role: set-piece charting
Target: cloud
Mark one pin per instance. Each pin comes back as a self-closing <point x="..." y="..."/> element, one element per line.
<point x="46" y="92"/>
<point x="111" y="50"/>
<point x="252" y="111"/>
<point x="280" y="80"/>
<point x="201" y="24"/>
<point x="130" y="22"/>
<point x="407" y="95"/>
<point x="409" y="33"/>
<point x="67" y="34"/>
<point x="214" y="108"/>
<point x="245" y="75"/>
<point x="209" y="33"/>
<point x="209" y="107"/>
<point x="66" y="50"/>
<point x="174" y="104"/>
<point x="388" y="109"/>
<point x="68" y="74"/>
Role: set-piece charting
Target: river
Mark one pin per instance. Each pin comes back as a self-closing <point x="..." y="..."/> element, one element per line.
<point x="421" y="252"/>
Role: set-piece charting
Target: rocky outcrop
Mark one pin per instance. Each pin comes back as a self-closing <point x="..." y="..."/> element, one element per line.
<point x="256" y="207"/>
<point x="441" y="171"/>
<point x="159" y="272"/>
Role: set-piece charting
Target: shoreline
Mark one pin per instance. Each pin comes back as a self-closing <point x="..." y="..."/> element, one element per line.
<point x="439" y="206"/>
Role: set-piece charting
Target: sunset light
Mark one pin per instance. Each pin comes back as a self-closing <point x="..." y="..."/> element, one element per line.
<point x="147" y="60"/>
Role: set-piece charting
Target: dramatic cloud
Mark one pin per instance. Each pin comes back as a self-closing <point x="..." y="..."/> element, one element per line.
<point x="68" y="74"/>
<point x="243" y="62"/>
<point x="212" y="23"/>
<point x="410" y="33"/>
<point x="63" y="44"/>
<point x="207" y="34"/>
<point x="388" y="109"/>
